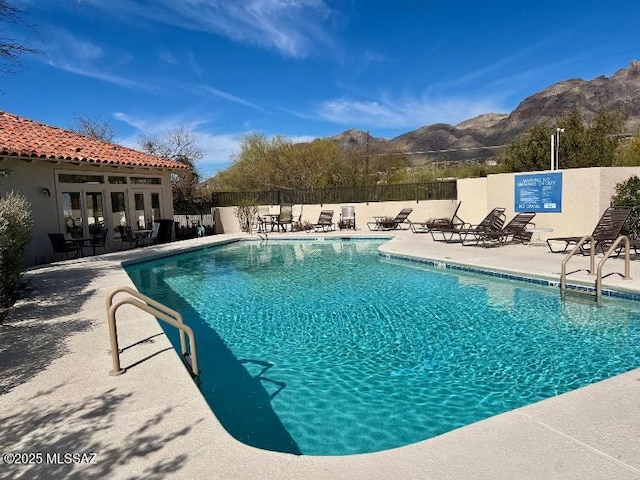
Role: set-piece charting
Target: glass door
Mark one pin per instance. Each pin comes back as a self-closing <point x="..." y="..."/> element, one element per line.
<point x="146" y="209"/>
<point x="94" y="212"/>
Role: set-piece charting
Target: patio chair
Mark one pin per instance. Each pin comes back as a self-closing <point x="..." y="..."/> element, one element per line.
<point x="447" y="222"/>
<point x="388" y="223"/>
<point x="262" y="219"/>
<point x="99" y="239"/>
<point x="296" y="220"/>
<point x="127" y="236"/>
<point x="608" y="228"/>
<point x="513" y="232"/>
<point x="61" y="245"/>
<point x="347" y="217"/>
<point x="285" y="218"/>
<point x="493" y="222"/>
<point x="325" y="221"/>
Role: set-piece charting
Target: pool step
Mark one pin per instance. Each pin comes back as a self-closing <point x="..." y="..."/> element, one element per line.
<point x="579" y="293"/>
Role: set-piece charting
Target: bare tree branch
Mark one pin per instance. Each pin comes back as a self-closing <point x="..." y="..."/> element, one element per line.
<point x="94" y="127"/>
<point x="12" y="49"/>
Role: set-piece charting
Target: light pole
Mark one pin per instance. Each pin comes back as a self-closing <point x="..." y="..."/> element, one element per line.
<point x="558" y="132"/>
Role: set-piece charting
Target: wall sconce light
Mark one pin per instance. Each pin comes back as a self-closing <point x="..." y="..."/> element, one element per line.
<point x="46" y="191"/>
<point x="5" y="172"/>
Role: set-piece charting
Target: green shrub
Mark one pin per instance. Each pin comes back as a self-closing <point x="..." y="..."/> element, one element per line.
<point x="628" y="195"/>
<point x="16" y="225"/>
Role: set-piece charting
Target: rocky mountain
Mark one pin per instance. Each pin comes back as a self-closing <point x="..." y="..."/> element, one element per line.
<point x="472" y="139"/>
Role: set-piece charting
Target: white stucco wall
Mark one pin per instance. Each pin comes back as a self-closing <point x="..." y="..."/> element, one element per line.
<point x="586" y="193"/>
<point x="29" y="178"/>
<point x="365" y="212"/>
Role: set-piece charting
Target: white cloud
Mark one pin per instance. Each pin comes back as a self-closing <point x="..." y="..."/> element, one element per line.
<point x="66" y="52"/>
<point x="229" y="96"/>
<point x="218" y="148"/>
<point x="294" y="28"/>
<point x="403" y="112"/>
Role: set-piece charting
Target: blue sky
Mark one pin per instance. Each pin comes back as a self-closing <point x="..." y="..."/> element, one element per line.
<point x="303" y="68"/>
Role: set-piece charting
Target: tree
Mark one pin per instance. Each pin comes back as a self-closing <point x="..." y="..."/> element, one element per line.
<point x="628" y="195"/>
<point x="278" y="163"/>
<point x="628" y="155"/>
<point x="180" y="145"/>
<point x="530" y="152"/>
<point x="581" y="144"/>
<point x="11" y="49"/>
<point x="94" y="128"/>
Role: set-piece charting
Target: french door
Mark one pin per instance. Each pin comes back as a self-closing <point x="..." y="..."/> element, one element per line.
<point x="83" y="211"/>
<point x="145" y="208"/>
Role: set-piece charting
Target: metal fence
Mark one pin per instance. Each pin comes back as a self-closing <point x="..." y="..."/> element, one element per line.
<point x="183" y="220"/>
<point x="441" y="190"/>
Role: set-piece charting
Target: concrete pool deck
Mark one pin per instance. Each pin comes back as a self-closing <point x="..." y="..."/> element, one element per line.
<point x="56" y="396"/>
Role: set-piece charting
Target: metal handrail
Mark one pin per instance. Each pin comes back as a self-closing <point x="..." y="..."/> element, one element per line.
<point x="592" y="260"/>
<point x="627" y="263"/>
<point x="159" y="311"/>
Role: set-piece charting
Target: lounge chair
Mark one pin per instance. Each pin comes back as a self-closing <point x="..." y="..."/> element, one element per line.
<point x="515" y="232"/>
<point x="347" y="217"/>
<point x="608" y="228"/>
<point x="62" y="245"/>
<point x="325" y="221"/>
<point x="425" y="227"/>
<point x="493" y="222"/>
<point x="388" y="223"/>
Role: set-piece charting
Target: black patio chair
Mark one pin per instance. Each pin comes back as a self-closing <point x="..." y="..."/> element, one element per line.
<point x="99" y="239"/>
<point x="63" y="246"/>
<point x="608" y="228"/>
<point x="493" y="222"/>
<point x="516" y="231"/>
<point x="325" y="221"/>
<point x="388" y="223"/>
<point x="127" y="236"/>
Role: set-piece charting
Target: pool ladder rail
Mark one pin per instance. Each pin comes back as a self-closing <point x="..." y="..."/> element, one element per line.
<point x="592" y="270"/>
<point x="161" y="312"/>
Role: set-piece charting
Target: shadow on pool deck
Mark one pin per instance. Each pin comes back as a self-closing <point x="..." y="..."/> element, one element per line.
<point x="78" y="426"/>
<point x="31" y="341"/>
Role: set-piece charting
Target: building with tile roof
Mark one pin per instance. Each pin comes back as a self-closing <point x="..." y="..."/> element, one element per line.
<point x="76" y="184"/>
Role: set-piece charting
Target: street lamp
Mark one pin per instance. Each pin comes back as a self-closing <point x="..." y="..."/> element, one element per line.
<point x="558" y="132"/>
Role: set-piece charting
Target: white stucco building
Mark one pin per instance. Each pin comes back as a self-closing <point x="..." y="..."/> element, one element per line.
<point x="74" y="183"/>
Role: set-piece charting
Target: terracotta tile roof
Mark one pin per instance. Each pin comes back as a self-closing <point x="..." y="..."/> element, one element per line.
<point x="20" y="137"/>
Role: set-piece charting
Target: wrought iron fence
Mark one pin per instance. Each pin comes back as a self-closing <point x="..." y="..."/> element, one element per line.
<point x="440" y="190"/>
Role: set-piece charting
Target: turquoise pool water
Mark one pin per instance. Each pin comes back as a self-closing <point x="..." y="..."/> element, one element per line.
<point x="328" y="348"/>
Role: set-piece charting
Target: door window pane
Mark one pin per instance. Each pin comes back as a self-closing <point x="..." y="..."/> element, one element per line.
<point x="118" y="210"/>
<point x="95" y="211"/>
<point x="139" y="213"/>
<point x="155" y="207"/>
<point x="72" y="211"/>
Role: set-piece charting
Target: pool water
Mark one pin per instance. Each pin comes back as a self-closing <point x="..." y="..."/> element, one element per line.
<point x="328" y="348"/>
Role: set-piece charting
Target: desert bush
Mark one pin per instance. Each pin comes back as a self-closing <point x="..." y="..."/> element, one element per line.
<point x="16" y="225"/>
<point x="628" y="195"/>
<point x="246" y="214"/>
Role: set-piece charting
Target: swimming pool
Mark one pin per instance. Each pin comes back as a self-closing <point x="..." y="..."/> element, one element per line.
<point x="328" y="348"/>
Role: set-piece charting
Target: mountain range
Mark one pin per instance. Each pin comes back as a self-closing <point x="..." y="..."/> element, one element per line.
<point x="479" y="137"/>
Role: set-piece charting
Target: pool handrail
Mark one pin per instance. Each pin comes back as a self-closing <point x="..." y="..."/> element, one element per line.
<point x="161" y="312"/>
<point x="627" y="262"/>
<point x="592" y="260"/>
